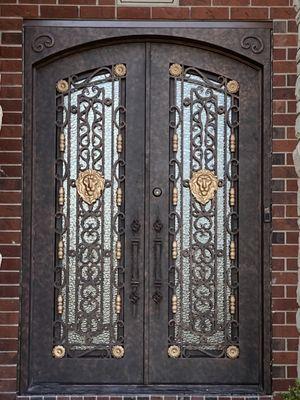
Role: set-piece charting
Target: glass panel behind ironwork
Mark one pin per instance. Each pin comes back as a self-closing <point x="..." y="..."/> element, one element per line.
<point x="90" y="212"/>
<point x="203" y="214"/>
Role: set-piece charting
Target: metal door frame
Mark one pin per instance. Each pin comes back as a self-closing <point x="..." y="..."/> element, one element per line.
<point x="247" y="41"/>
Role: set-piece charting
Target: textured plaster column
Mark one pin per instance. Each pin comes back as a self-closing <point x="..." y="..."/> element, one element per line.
<point x="296" y="155"/>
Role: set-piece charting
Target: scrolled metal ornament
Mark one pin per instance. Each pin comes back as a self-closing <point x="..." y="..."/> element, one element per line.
<point x="58" y="351"/>
<point x="42" y="42"/>
<point x="176" y="70"/>
<point x="174" y="351"/>
<point x="203" y="185"/>
<point x="120" y="70"/>
<point x="232" y="352"/>
<point x="90" y="185"/>
<point x="254" y="43"/>
<point x="117" y="351"/>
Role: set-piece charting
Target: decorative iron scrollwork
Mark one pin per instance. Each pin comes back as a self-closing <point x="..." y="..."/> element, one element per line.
<point x="203" y="221"/>
<point x="157" y="226"/>
<point x="42" y="42"/>
<point x="135" y="226"/>
<point x="254" y="43"/>
<point x="90" y="219"/>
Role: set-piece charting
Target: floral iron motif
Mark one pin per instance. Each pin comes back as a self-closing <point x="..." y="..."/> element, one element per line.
<point x="62" y="86"/>
<point x="58" y="351"/>
<point x="203" y="185"/>
<point x="90" y="185"/>
<point x="175" y="70"/>
<point x="120" y="70"/>
<point x="233" y="352"/>
<point x="174" y="351"/>
<point x="117" y="351"/>
<point x="233" y="86"/>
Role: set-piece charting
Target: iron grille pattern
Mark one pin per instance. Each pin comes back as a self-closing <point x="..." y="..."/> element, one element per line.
<point x="203" y="270"/>
<point x="89" y="269"/>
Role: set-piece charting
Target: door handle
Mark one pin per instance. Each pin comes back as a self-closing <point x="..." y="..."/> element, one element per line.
<point x="157" y="249"/>
<point x="134" y="281"/>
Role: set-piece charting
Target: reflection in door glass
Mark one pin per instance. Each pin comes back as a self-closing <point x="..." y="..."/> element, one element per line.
<point x="203" y="274"/>
<point x="90" y="214"/>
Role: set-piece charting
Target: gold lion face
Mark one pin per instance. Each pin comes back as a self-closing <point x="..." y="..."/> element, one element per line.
<point x="203" y="185"/>
<point x="90" y="185"/>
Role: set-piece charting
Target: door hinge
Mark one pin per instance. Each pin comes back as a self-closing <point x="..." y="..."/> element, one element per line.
<point x="268" y="214"/>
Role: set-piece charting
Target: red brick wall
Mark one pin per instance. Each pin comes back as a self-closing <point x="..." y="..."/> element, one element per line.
<point x="285" y="238"/>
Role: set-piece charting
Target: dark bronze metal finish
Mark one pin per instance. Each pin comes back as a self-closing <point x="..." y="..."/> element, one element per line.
<point x="68" y="50"/>
<point x="209" y="156"/>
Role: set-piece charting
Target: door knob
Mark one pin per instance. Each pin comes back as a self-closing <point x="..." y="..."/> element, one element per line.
<point x="157" y="192"/>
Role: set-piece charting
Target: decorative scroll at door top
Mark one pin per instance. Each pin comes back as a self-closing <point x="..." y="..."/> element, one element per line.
<point x="203" y="247"/>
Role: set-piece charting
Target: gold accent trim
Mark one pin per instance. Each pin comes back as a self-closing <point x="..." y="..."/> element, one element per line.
<point x="118" y="250"/>
<point x="61" y="196"/>
<point x="232" y="352"/>
<point x="90" y="185"/>
<point x="119" y="143"/>
<point x="232" y="143"/>
<point x="119" y="197"/>
<point x="175" y="142"/>
<point x="174" y="351"/>
<point x="62" y="86"/>
<point x="232" y="304"/>
<point x="60" y="304"/>
<point x="233" y="86"/>
<point x="120" y="70"/>
<point x="203" y="185"/>
<point x="232" y="250"/>
<point x="118" y="304"/>
<point x="60" y="250"/>
<point x="175" y="70"/>
<point x="62" y="142"/>
<point x="174" y="250"/>
<point x="232" y="197"/>
<point x="117" y="351"/>
<point x="174" y="304"/>
<point x="58" y="351"/>
<point x="175" y="196"/>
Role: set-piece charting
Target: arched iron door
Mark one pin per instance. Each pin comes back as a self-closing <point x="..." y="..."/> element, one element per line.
<point x="147" y="210"/>
<point x="206" y="158"/>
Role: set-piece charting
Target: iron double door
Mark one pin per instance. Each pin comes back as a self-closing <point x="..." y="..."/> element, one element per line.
<point x="147" y="178"/>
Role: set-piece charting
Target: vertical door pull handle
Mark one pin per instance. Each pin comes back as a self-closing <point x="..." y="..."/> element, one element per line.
<point x="134" y="281"/>
<point x="157" y="249"/>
